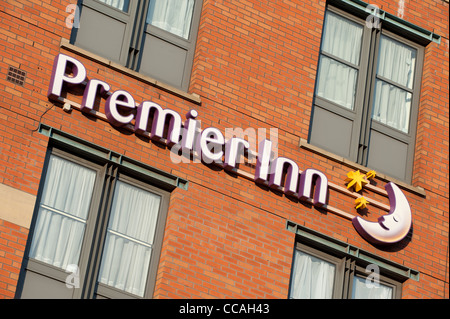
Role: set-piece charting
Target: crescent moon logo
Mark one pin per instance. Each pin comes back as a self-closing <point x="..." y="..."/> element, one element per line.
<point x="390" y="228"/>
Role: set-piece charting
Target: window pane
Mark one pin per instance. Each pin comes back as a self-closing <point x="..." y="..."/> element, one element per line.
<point x="392" y="106"/>
<point x="397" y="62"/>
<point x="118" y="4"/>
<point x="174" y="16"/>
<point x="128" y="246"/>
<point x="62" y="214"/>
<point x="363" y="290"/>
<point x="342" y="38"/>
<point x="337" y="82"/>
<point x="313" y="278"/>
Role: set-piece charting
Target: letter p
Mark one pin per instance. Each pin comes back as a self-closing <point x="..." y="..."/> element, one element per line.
<point x="61" y="64"/>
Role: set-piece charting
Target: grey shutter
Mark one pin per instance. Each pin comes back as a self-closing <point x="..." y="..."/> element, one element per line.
<point x="105" y="31"/>
<point x="39" y="286"/>
<point x="333" y="131"/>
<point x="167" y="57"/>
<point x="44" y="281"/>
<point x="391" y="151"/>
<point x="356" y="134"/>
<point x="333" y="127"/>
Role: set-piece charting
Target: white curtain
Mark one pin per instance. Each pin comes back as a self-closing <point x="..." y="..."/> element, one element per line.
<point x="342" y="38"/>
<point x="392" y="105"/>
<point x="313" y="278"/>
<point x="361" y="290"/>
<point x="62" y="214"/>
<point x="118" y="4"/>
<point x="174" y="16"/>
<point x="337" y="81"/>
<point x="131" y="230"/>
<point x="397" y="61"/>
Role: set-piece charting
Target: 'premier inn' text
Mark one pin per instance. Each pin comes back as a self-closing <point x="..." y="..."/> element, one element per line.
<point x="121" y="109"/>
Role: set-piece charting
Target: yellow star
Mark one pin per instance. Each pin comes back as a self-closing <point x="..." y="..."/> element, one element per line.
<point x="371" y="174"/>
<point x="356" y="179"/>
<point x="361" y="202"/>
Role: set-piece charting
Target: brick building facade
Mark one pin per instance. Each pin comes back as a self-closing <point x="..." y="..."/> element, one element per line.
<point x="245" y="64"/>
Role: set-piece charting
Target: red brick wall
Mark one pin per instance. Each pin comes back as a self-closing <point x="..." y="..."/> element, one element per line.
<point x="12" y="244"/>
<point x="215" y="247"/>
<point x="255" y="66"/>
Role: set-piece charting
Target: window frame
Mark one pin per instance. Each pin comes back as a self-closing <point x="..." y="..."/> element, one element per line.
<point x="103" y="290"/>
<point x="347" y="267"/>
<point x="128" y="18"/>
<point x="107" y="173"/>
<point x="137" y="29"/>
<point x="186" y="44"/>
<point x="359" y="271"/>
<point x="355" y="114"/>
<point x="40" y="267"/>
<point x="410" y="137"/>
<point x="338" y="262"/>
<point x="361" y="116"/>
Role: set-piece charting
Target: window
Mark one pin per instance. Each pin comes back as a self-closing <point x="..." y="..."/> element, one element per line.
<point x="326" y="268"/>
<point x="313" y="278"/>
<point x="154" y="37"/>
<point x="367" y="94"/>
<point x="97" y="224"/>
<point x="318" y="274"/>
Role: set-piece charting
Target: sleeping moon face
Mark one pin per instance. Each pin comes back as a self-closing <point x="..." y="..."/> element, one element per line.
<point x="390" y="228"/>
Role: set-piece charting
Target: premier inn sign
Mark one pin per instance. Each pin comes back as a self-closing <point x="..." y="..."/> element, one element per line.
<point x="121" y="109"/>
